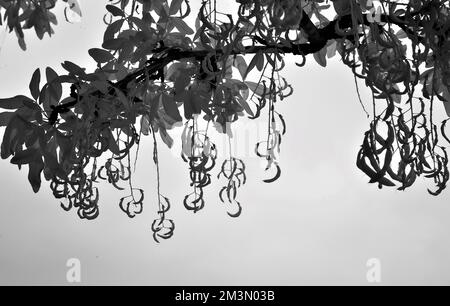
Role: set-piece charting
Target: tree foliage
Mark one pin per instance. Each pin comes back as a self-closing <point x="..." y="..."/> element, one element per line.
<point x="156" y="70"/>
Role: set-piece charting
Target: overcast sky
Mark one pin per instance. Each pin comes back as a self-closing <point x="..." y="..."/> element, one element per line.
<point x="318" y="224"/>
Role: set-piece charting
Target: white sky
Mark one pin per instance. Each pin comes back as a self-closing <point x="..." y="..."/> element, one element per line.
<point x="318" y="224"/>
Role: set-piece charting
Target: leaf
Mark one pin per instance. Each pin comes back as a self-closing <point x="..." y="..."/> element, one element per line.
<point x="444" y="94"/>
<point x="320" y="57"/>
<point x="34" y="84"/>
<point x="5" y="117"/>
<point x="447" y="108"/>
<point x="401" y="34"/>
<point x="112" y="29"/>
<point x="342" y="7"/>
<point x="101" y="85"/>
<point x="34" y="174"/>
<point x="115" y="11"/>
<point x="100" y="55"/>
<point x="240" y="63"/>
<point x="174" y="70"/>
<point x="246" y="107"/>
<point x="175" y="6"/>
<point x="181" y="26"/>
<point x="331" y="49"/>
<point x="258" y="89"/>
<point x="44" y="99"/>
<point x="50" y="74"/>
<point x="145" y="126"/>
<point x="257" y="61"/>
<point x="126" y="52"/>
<point x="181" y="82"/>
<point x="54" y="87"/>
<point x="14" y="102"/>
<point x="22" y="44"/>
<point x="114" y="44"/>
<point x="73" y="68"/>
<point x="10" y="134"/>
<point x="155" y="103"/>
<point x="141" y="24"/>
<point x="25" y="157"/>
<point x="112" y="143"/>
<point x="192" y="104"/>
<point x="165" y="137"/>
<point x="170" y="107"/>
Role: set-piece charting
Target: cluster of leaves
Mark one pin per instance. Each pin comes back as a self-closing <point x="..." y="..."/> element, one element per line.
<point x="155" y="71"/>
<point x="20" y="15"/>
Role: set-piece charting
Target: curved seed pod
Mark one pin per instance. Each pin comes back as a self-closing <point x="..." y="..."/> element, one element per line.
<point x="275" y="177"/>
<point x="87" y="205"/>
<point x="163" y="228"/>
<point x="239" y="210"/>
<point x="165" y="206"/>
<point x="221" y="194"/>
<point x="231" y="191"/>
<point x="132" y="206"/>
<point x="283" y="123"/>
<point x="443" y="130"/>
<point x="257" y="152"/>
<point x="386" y="166"/>
<point x="394" y="176"/>
<point x="194" y="201"/>
<point x="409" y="181"/>
<point x="361" y="164"/>
<point x="303" y="62"/>
<point x="68" y="206"/>
<point x="389" y="109"/>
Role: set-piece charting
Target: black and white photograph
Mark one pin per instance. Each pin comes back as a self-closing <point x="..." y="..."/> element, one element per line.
<point x="246" y="145"/>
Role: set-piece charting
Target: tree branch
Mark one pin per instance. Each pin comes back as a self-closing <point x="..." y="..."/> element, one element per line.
<point x="317" y="37"/>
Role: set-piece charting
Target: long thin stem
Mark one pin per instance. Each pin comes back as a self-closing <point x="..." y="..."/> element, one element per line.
<point x="155" y="159"/>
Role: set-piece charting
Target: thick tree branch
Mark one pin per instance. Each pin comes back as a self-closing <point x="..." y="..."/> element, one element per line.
<point x="317" y="37"/>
